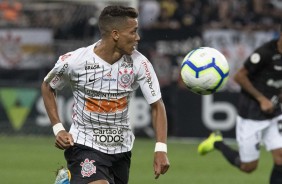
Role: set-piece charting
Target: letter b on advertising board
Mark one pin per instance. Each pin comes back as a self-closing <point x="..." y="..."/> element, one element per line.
<point x="210" y="108"/>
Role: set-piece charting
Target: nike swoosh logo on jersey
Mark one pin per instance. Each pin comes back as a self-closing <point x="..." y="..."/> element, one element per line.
<point x="93" y="80"/>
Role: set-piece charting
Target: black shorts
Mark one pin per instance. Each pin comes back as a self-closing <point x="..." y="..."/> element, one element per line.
<point x="87" y="165"/>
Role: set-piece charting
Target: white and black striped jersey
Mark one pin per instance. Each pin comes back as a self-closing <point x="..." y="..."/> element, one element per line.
<point x="102" y="93"/>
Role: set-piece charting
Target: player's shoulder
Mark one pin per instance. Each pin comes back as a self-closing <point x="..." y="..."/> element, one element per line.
<point x="73" y="55"/>
<point x="263" y="53"/>
<point x="138" y="57"/>
<point x="265" y="50"/>
<point x="267" y="46"/>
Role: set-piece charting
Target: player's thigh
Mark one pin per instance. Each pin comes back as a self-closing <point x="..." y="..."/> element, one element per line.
<point x="121" y="168"/>
<point x="249" y="136"/>
<point x="87" y="165"/>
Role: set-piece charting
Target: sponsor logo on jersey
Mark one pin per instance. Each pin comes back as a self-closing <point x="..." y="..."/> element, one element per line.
<point x="55" y="80"/>
<point x="63" y="69"/>
<point x="255" y="58"/>
<point x="276" y="57"/>
<point x="87" y="168"/>
<point x="105" y="105"/>
<point x="99" y="94"/>
<point x="126" y="65"/>
<point x="276" y="84"/>
<point x="149" y="78"/>
<point x="108" y="136"/>
<point x="108" y="78"/>
<point x="92" y="66"/>
<point x="57" y="77"/>
<point x="277" y="68"/>
<point x="64" y="57"/>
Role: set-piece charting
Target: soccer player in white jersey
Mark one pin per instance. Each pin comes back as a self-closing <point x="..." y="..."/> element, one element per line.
<point x="103" y="77"/>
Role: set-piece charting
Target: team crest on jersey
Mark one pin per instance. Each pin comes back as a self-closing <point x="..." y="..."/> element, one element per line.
<point x="126" y="72"/>
<point x="87" y="168"/>
<point x="125" y="77"/>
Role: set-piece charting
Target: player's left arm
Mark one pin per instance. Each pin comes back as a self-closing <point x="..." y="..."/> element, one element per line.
<point x="150" y="87"/>
<point x="159" y="119"/>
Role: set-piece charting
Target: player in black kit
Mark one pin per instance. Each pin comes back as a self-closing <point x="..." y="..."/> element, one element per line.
<point x="259" y="119"/>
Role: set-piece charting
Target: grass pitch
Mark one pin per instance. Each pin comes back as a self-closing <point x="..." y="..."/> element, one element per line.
<point x="34" y="160"/>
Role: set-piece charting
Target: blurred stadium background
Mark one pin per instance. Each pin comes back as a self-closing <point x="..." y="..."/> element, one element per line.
<point x="34" y="33"/>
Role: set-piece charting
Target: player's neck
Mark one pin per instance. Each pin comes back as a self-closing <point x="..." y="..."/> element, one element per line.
<point x="106" y="53"/>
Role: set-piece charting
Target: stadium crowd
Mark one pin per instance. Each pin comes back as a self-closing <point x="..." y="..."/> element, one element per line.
<point x="67" y="19"/>
<point x="223" y="14"/>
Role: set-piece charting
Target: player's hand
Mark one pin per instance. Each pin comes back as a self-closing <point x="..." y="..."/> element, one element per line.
<point x="161" y="163"/>
<point x="64" y="140"/>
<point x="266" y="106"/>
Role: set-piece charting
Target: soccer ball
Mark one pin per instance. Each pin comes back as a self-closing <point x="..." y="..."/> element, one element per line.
<point x="204" y="70"/>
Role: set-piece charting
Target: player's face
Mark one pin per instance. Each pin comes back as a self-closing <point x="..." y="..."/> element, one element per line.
<point x="128" y="37"/>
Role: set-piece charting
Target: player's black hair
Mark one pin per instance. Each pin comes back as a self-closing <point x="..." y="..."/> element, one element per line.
<point x="113" y="16"/>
